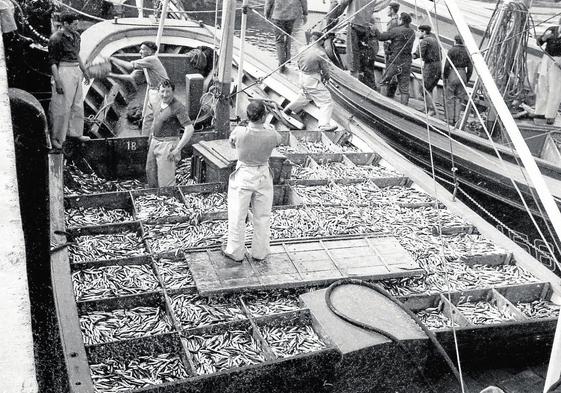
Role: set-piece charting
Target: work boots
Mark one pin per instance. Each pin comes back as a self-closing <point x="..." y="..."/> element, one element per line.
<point x="404" y="99"/>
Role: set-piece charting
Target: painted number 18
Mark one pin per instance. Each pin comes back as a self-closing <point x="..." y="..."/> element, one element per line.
<point x="131" y="145"/>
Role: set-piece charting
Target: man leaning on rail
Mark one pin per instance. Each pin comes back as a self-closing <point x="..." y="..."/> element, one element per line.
<point x="251" y="181"/>
<point x="68" y="71"/>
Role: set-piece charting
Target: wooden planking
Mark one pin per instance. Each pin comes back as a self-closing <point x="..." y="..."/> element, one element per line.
<point x="303" y="263"/>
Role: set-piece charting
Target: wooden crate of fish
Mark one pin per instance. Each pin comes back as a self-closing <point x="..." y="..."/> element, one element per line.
<point x="174" y="273"/>
<point x="163" y="204"/>
<point x="98" y="209"/>
<point x="78" y="182"/>
<point x="510" y="321"/>
<point x="107" y="242"/>
<point x="139" y="363"/>
<point x="119" y="319"/>
<point x="265" y="303"/>
<point x="114" y="278"/>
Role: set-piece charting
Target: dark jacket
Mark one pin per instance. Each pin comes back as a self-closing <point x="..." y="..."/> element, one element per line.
<point x="428" y="49"/>
<point x="460" y="58"/>
<point x="401" y="42"/>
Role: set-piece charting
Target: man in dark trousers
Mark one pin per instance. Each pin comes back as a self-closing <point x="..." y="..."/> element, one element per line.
<point x="393" y="13"/>
<point x="455" y="79"/>
<point x="68" y="72"/>
<point x="429" y="52"/>
<point x="251" y="182"/>
<point x="548" y="93"/>
<point x="401" y="40"/>
<point x="360" y="38"/>
<point x="283" y="14"/>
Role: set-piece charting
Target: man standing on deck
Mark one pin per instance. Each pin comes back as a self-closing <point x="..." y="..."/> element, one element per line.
<point x="393" y="11"/>
<point x="251" y="182"/>
<point x="429" y="52"/>
<point x="456" y="79"/>
<point x="314" y="73"/>
<point x="283" y="14"/>
<point x="67" y="100"/>
<point x="170" y="117"/>
<point x="359" y="33"/>
<point x="548" y="93"/>
<point x="150" y="68"/>
<point x="401" y="40"/>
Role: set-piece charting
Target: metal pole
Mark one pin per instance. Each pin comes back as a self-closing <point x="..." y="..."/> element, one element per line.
<point x="554" y="370"/>
<point x="163" y="17"/>
<point x="225" y="69"/>
<point x="242" y="54"/>
<point x="140" y="7"/>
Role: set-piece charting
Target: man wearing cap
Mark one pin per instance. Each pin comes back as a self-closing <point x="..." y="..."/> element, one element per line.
<point x="401" y="40"/>
<point x="548" y="93"/>
<point x="170" y="119"/>
<point x="429" y="52"/>
<point x="314" y="73"/>
<point x="251" y="182"/>
<point x="283" y="14"/>
<point x="359" y="30"/>
<point x="68" y="71"/>
<point x="149" y="68"/>
<point x="455" y="78"/>
<point x="393" y="13"/>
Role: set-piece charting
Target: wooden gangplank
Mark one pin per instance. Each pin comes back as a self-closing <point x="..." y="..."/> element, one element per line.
<point x="301" y="263"/>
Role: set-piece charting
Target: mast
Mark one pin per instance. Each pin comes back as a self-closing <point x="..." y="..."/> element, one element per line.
<point x="225" y="69"/>
<point x="140" y="6"/>
<point x="554" y="370"/>
<point x="163" y="17"/>
<point x="242" y="54"/>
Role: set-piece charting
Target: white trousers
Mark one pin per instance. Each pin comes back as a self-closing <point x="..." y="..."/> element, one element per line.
<point x="67" y="109"/>
<point x="160" y="170"/>
<point x="313" y="89"/>
<point x="250" y="185"/>
<point x="548" y="92"/>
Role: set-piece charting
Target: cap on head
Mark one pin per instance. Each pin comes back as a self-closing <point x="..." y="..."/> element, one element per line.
<point x="68" y="17"/>
<point x="167" y="83"/>
<point x="394" y="6"/>
<point x="151" y="45"/>
<point x="405" y="17"/>
<point x="426" y="28"/>
<point x="255" y="110"/>
<point x="458" y="39"/>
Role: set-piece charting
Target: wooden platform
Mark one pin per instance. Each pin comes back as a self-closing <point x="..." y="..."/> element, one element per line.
<point x="303" y="263"/>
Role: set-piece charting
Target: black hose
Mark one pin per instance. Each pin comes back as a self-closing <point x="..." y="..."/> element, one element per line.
<point x="382" y="291"/>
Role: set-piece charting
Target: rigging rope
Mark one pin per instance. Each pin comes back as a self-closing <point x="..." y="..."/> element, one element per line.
<point x="458" y="372"/>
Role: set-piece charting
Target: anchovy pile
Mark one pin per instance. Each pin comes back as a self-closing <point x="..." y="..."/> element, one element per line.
<point x="150" y="207"/>
<point x="121" y="324"/>
<point x="95" y="216"/>
<point x="183" y="173"/>
<point x="113" y="281"/>
<point x="434" y="318"/>
<point x="272" y="302"/>
<point x="173" y="237"/>
<point x="193" y="310"/>
<point x="539" y="309"/>
<point x="339" y="170"/>
<point x="82" y="183"/>
<point x="102" y="247"/>
<point x="291" y="340"/>
<point x="118" y="376"/>
<point x="175" y="274"/>
<point x="208" y="202"/>
<point x="213" y="353"/>
<point x="484" y="313"/>
<point x="308" y="147"/>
